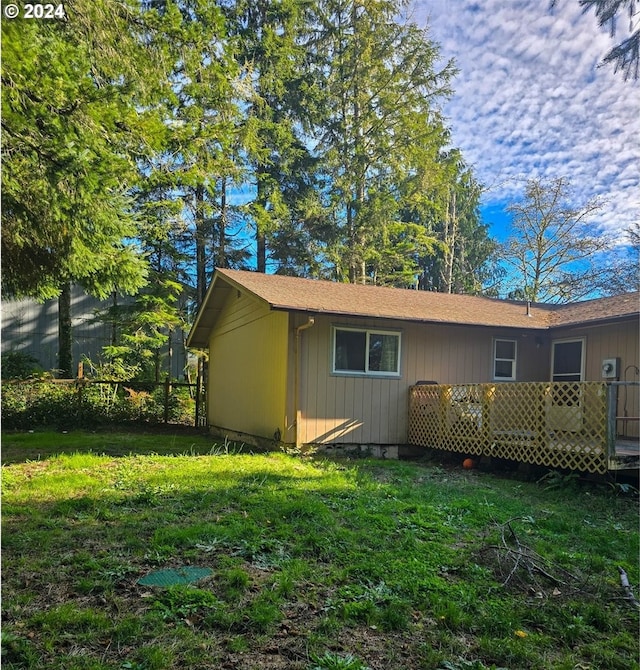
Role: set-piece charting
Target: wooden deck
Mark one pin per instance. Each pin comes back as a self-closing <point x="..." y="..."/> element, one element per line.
<point x="627" y="456"/>
<point x="561" y="425"/>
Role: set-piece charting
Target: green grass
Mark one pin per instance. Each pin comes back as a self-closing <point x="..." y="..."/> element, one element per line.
<point x="315" y="563"/>
<point x="21" y="446"/>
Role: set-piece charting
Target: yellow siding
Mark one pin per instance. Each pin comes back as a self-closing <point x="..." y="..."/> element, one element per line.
<point x="369" y="410"/>
<point x="248" y="368"/>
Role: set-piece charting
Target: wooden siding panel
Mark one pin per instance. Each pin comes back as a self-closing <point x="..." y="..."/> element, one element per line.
<point x="289" y="435"/>
<point x="370" y="410"/>
<point x="248" y="368"/>
<point x="239" y="310"/>
<point x="610" y="341"/>
<point x="373" y="410"/>
<point x="614" y="341"/>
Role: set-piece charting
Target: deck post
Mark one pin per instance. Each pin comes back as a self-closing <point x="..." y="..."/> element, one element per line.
<point x="612" y="410"/>
<point x="167" y="392"/>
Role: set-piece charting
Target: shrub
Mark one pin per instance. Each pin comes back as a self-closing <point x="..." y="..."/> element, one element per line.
<point x="19" y="365"/>
<point x="27" y="405"/>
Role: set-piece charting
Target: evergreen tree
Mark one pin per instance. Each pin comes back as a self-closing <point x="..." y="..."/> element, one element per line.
<point x="465" y="260"/>
<point x="380" y="126"/>
<point x="66" y="131"/>
<point x="202" y="120"/>
<point x="71" y="99"/>
<point x="273" y="62"/>
<point x="624" y="56"/>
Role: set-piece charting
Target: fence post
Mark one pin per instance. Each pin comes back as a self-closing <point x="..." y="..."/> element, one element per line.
<point x="198" y="398"/>
<point x="167" y="391"/>
<point x="80" y="384"/>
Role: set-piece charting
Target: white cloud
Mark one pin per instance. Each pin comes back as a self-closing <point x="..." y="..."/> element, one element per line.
<point x="531" y="101"/>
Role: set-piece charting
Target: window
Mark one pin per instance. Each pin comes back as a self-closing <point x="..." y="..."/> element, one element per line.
<point x="369" y="352"/>
<point x="567" y="361"/>
<point x="504" y="360"/>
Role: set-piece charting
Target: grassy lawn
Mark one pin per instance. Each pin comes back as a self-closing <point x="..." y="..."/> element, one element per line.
<point x="18" y="447"/>
<point x="309" y="564"/>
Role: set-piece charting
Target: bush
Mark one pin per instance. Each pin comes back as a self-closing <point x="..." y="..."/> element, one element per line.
<point x="19" y="365"/>
<point x="27" y="405"/>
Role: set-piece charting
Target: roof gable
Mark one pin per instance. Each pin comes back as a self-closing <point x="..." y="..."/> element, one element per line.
<point x="325" y="297"/>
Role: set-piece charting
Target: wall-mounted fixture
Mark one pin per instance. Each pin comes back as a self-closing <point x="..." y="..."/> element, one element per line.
<point x="610" y="368"/>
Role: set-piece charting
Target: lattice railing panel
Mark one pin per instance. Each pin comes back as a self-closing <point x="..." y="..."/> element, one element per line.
<point x="560" y="425"/>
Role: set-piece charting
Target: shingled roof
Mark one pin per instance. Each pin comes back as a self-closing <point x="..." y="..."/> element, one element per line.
<point x="325" y="297"/>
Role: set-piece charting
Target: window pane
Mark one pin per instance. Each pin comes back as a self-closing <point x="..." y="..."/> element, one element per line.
<point x="567" y="359"/>
<point x="383" y="352"/>
<point x="350" y="350"/>
<point x="503" y="370"/>
<point x="505" y="349"/>
<point x="566" y="378"/>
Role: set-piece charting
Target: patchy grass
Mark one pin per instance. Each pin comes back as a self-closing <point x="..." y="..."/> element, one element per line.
<point x="315" y="564"/>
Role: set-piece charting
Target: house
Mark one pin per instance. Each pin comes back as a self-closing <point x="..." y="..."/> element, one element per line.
<point x="316" y="362"/>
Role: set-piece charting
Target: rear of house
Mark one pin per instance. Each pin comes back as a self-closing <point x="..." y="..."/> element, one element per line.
<point x="313" y="362"/>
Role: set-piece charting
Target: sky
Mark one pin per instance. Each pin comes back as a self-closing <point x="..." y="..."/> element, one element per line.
<point x="531" y="102"/>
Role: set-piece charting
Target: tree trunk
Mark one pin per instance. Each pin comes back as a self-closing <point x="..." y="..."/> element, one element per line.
<point x="261" y="238"/>
<point x="114" y="320"/>
<point x="451" y="233"/>
<point x="261" y="252"/>
<point x="65" y="337"/>
<point x="222" y="230"/>
<point x="201" y="260"/>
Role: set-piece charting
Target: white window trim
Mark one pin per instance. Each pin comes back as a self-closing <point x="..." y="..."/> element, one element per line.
<point x="513" y="361"/>
<point x="367" y="373"/>
<point x="583" y="354"/>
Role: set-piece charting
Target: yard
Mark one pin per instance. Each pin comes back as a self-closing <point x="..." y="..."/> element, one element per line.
<point x="305" y="563"/>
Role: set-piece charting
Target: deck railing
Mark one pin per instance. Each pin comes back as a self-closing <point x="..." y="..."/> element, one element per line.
<point x="560" y="425"/>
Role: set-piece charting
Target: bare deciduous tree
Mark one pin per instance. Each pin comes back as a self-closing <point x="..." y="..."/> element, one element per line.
<point x="554" y="245"/>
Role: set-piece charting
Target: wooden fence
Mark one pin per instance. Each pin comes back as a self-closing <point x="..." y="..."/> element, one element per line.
<point x="136" y="391"/>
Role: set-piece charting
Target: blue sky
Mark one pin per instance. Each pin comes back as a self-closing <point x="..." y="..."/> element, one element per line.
<point x="530" y="101"/>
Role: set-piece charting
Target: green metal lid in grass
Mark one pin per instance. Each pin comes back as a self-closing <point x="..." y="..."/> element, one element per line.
<point x="174" y="576"/>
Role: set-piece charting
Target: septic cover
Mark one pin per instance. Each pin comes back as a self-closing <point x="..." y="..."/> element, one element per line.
<point x="171" y="577"/>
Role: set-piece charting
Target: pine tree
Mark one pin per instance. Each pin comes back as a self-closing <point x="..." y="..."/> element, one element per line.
<point x="381" y="125"/>
<point x="624" y="56"/>
<point x="272" y="59"/>
<point x="465" y="260"/>
<point x="203" y="120"/>
<point x="72" y="125"/>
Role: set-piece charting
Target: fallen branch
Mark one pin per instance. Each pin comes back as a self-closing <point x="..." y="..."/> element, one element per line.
<point x="626" y="587"/>
<point x="516" y="564"/>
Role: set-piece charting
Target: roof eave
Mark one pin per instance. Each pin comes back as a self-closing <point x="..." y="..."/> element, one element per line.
<point x="603" y="321"/>
<point x="198" y="337"/>
<point x="409" y="319"/>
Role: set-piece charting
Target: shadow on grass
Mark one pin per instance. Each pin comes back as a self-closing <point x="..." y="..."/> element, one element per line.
<point x="116" y="441"/>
